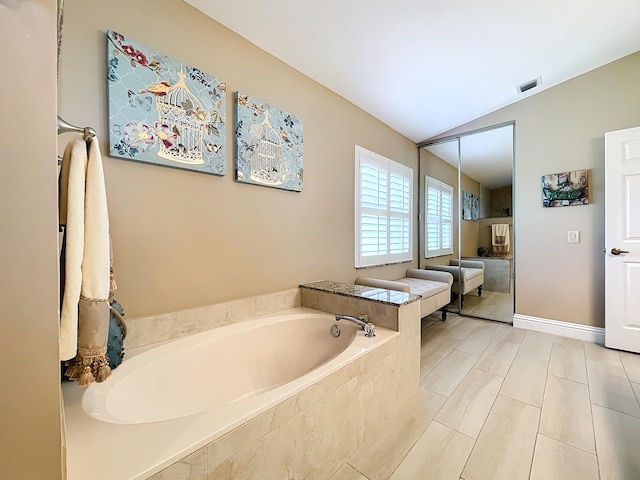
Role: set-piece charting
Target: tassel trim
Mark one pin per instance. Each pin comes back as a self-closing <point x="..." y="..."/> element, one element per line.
<point x="89" y="366"/>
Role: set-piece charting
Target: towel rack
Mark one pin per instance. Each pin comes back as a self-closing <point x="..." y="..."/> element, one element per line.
<point x="64" y="127"/>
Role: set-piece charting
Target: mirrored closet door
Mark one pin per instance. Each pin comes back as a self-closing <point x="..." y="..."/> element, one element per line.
<point x="466" y="218"/>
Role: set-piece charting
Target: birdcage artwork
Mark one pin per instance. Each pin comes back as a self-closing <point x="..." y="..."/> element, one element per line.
<point x="176" y="110"/>
<point x="162" y="111"/>
<point x="269" y="145"/>
<point x="266" y="159"/>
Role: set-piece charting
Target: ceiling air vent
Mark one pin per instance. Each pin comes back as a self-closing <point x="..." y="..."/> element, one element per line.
<point x="529" y="85"/>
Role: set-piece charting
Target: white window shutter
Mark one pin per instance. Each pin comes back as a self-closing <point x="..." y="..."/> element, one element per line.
<point x="439" y="218"/>
<point x="384" y="210"/>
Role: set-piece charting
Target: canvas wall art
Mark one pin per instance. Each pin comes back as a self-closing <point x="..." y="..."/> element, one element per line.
<point x="566" y="188"/>
<point x="470" y="206"/>
<point x="269" y="145"/>
<point x="162" y="111"/>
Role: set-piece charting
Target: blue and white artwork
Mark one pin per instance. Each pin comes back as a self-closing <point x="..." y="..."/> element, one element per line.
<point x="470" y="206"/>
<point x="268" y="145"/>
<point x="162" y="111"/>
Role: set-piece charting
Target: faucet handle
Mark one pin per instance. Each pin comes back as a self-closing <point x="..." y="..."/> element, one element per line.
<point x="369" y="330"/>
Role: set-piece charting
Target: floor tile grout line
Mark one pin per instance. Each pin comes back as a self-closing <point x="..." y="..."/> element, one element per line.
<point x="365" y="476"/>
<point x="624" y="369"/>
<point x="595" y="439"/>
<point x="593" y="423"/>
<point x="481" y="429"/>
<point x="567" y="444"/>
<point x="535" y="443"/>
<point x="418" y="437"/>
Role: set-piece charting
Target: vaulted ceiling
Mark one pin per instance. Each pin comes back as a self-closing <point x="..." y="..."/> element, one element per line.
<point x="426" y="66"/>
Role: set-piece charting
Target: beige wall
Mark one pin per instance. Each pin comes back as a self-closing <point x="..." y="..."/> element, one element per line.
<point x="184" y="239"/>
<point x="30" y="435"/>
<point x="562" y="129"/>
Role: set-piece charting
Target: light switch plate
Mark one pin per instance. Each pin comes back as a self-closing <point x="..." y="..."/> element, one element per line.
<point x="573" y="236"/>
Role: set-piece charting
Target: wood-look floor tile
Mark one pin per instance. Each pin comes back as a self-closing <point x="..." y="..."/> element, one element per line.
<point x="447" y="375"/>
<point x="536" y="344"/>
<point x="631" y="364"/>
<point x="598" y="353"/>
<point x="526" y="380"/>
<point x="378" y="456"/>
<point x="347" y="472"/>
<point x="463" y="328"/>
<point x="467" y="408"/>
<point x="504" y="449"/>
<point x="440" y="453"/>
<point x="566" y="413"/>
<point x="512" y="334"/>
<point x="497" y="358"/>
<point x="617" y="444"/>
<point x="636" y="390"/>
<point x="434" y="350"/>
<point x="609" y="387"/>
<point x="568" y="341"/>
<point x="479" y="339"/>
<point x="568" y="361"/>
<point x="556" y="460"/>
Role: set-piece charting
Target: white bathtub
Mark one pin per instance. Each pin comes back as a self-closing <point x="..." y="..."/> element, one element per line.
<point x="164" y="403"/>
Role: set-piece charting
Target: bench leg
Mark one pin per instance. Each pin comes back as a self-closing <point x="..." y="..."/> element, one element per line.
<point x="444" y="313"/>
<point x="480" y="291"/>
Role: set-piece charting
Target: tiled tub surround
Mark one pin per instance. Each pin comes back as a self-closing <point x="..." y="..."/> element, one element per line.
<point x="308" y="435"/>
<point x="151" y="329"/>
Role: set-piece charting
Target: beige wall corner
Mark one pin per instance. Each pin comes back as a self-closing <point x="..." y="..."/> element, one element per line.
<point x="30" y="403"/>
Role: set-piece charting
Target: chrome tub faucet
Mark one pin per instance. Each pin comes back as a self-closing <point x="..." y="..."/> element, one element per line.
<point x="368" y="327"/>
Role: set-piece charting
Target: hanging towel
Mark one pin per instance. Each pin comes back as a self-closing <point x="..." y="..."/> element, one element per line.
<point x="84" y="318"/>
<point x="500" y="238"/>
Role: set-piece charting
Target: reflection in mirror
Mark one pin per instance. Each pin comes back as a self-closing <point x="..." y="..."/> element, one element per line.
<point x="479" y="168"/>
<point x="439" y="205"/>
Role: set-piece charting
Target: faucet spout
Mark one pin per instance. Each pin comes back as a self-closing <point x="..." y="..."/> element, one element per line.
<point x="368" y="327"/>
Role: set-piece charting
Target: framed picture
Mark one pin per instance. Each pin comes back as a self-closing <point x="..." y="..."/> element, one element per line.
<point x="470" y="206"/>
<point x="269" y="145"/>
<point x="162" y="111"/>
<point x="565" y="189"/>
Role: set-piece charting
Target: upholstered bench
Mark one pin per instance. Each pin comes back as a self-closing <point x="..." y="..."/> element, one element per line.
<point x="433" y="287"/>
<point x="467" y="275"/>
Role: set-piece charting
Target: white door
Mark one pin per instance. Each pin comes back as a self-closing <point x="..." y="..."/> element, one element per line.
<point x="622" y="240"/>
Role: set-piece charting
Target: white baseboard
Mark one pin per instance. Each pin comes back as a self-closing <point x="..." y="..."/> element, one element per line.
<point x="564" y="329"/>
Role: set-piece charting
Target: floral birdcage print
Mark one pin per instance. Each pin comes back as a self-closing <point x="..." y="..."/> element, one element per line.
<point x="182" y="112"/>
<point x="266" y="160"/>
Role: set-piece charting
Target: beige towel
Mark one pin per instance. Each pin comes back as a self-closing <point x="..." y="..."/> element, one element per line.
<point x="71" y="207"/>
<point x="500" y="238"/>
<point x="84" y="318"/>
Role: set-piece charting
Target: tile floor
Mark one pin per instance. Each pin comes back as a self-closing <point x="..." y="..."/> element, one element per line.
<point x="501" y="403"/>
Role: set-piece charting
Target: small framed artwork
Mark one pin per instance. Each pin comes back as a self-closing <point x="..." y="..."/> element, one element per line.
<point x="470" y="206"/>
<point x="565" y="189"/>
<point x="162" y="111"/>
<point x="269" y="145"/>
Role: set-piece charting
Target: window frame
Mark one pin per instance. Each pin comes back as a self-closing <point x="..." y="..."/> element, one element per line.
<point x="364" y="157"/>
<point x="443" y="188"/>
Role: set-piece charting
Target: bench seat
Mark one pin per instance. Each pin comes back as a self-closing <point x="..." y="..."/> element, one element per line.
<point x="432" y="286"/>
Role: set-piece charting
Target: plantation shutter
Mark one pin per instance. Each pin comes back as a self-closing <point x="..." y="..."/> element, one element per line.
<point x="439" y="218"/>
<point x="384" y="209"/>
